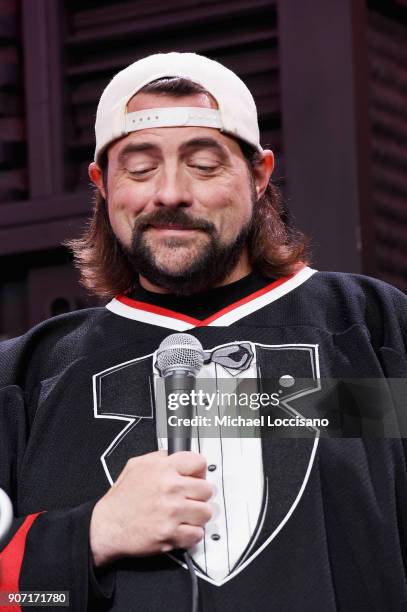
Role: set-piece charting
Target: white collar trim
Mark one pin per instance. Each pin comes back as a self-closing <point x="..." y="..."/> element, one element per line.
<point x="162" y="317"/>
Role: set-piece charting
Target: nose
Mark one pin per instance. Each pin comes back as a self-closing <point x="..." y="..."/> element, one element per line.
<point x="172" y="190"/>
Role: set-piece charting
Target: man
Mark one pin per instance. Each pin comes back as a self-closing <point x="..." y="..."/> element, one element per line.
<point x="187" y="234"/>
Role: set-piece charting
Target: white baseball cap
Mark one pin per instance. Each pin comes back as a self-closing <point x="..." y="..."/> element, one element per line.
<point x="236" y="114"/>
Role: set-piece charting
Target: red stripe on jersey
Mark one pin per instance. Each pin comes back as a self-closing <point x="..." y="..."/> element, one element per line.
<point x="166" y="312"/>
<point x="11" y="560"/>
<point x="245" y="300"/>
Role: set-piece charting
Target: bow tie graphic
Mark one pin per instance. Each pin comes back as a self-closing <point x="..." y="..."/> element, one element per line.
<point x="232" y="357"/>
<point x="235" y="357"/>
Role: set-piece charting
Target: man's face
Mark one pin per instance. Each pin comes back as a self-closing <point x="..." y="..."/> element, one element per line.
<point x="180" y="201"/>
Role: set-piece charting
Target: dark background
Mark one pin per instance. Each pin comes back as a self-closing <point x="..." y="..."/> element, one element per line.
<point x="330" y="81"/>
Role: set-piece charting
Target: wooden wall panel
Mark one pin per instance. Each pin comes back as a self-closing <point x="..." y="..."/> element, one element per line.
<point x="13" y="174"/>
<point x="387" y="39"/>
<point x="103" y="39"/>
<point x="323" y="76"/>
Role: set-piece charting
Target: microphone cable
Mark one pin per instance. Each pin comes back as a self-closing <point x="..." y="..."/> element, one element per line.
<point x="194" y="581"/>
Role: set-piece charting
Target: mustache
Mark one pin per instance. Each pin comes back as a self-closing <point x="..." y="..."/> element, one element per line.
<point x="166" y="218"/>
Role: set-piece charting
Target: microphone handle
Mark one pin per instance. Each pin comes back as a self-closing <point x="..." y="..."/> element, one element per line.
<point x="179" y="439"/>
<point x="177" y="384"/>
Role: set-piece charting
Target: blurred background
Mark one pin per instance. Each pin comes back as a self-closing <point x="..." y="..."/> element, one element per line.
<point x="330" y="81"/>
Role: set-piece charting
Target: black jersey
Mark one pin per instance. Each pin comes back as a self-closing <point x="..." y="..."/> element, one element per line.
<point x="76" y="404"/>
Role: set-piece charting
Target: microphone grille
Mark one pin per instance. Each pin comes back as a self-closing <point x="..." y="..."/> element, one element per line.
<point x="180" y="351"/>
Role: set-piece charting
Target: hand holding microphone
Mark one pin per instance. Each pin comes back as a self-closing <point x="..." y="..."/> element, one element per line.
<point x="159" y="501"/>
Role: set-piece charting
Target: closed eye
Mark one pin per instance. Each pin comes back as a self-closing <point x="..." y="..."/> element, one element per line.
<point x="204" y="168"/>
<point x="141" y="171"/>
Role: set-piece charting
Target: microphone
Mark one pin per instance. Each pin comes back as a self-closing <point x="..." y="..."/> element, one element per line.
<point x="179" y="359"/>
<point x="6" y="514"/>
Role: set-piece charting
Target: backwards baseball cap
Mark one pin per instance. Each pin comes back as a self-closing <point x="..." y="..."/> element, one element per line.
<point x="236" y="114"/>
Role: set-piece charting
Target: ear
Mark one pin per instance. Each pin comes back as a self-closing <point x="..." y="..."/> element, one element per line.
<point x="96" y="176"/>
<point x="262" y="171"/>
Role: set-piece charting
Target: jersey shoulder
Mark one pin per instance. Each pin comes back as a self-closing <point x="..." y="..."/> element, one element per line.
<point x="362" y="300"/>
<point x="357" y="284"/>
<point x="364" y="292"/>
<point x="48" y="346"/>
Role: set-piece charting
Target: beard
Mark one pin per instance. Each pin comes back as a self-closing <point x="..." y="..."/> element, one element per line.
<point x="212" y="262"/>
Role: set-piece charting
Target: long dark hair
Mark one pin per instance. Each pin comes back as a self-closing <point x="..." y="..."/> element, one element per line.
<point x="275" y="247"/>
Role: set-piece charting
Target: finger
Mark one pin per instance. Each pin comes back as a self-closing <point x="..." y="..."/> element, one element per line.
<point x="187" y="536"/>
<point x="188" y="463"/>
<point x="195" y="513"/>
<point x="196" y="488"/>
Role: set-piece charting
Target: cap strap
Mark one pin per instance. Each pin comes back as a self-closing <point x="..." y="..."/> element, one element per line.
<point x="174" y="116"/>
